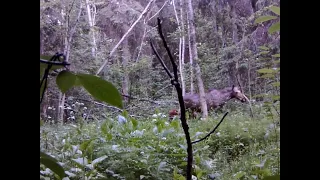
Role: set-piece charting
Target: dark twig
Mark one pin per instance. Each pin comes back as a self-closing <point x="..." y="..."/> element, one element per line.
<point x="160" y="59"/>
<point x="175" y="82"/>
<point x="54" y="60"/>
<point x="214" y="129"/>
<point x="54" y="63"/>
<point x="174" y="65"/>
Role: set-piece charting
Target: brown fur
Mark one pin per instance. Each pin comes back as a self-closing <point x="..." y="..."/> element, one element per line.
<point x="215" y="99"/>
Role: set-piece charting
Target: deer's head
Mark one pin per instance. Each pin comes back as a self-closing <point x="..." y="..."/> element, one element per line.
<point x="236" y="93"/>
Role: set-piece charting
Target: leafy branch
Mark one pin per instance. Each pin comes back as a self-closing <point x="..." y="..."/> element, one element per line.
<point x="100" y="89"/>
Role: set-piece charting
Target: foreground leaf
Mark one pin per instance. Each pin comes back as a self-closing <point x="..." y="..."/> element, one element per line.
<point x="44" y="155"/>
<point x="265" y="70"/>
<point x="274" y="28"/>
<point x="65" y="80"/>
<point x="274" y="177"/>
<point x="101" y="89"/>
<point x="276" y="55"/>
<point x="263" y="48"/>
<point x="275" y="9"/>
<point x="264" y="19"/>
<point x="53" y="166"/>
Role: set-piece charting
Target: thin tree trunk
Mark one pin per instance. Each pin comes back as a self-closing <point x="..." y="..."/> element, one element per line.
<point x="249" y="87"/>
<point x="180" y="48"/>
<point x="183" y="45"/>
<point x="234" y="25"/>
<point x="41" y="41"/>
<point x="192" y="38"/>
<point x="190" y="56"/>
<point x="125" y="59"/>
<point x="91" y="22"/>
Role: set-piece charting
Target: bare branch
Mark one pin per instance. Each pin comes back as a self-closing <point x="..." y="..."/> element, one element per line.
<point x="174" y="65"/>
<point x="214" y="129"/>
<point x="124" y="36"/>
<point x="158" y="11"/>
<point x="160" y="59"/>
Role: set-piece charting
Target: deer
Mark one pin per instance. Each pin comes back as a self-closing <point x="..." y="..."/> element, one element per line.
<point x="215" y="98"/>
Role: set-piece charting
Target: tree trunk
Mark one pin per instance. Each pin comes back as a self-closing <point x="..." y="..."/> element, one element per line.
<point x="234" y="25"/>
<point x="181" y="43"/>
<point x="190" y="55"/>
<point x="91" y="19"/>
<point x="41" y="41"/>
<point x="125" y="59"/>
<point x="193" y="47"/>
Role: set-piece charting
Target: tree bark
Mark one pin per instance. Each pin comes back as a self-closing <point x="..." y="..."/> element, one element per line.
<point x="194" y="56"/>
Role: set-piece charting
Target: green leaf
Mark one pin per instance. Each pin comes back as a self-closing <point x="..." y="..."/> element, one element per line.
<point x="44" y="155"/>
<point x="274" y="28"/>
<point x="267" y="76"/>
<point x="101" y="89"/>
<point x="53" y="166"/>
<point x="275" y="9"/>
<point x="265" y="70"/>
<point x="264" y="18"/>
<point x="85" y="144"/>
<point x="175" y="124"/>
<point x="98" y="160"/>
<point x="65" y="80"/>
<point x="125" y="114"/>
<point x="263" y="48"/>
<point x="264" y="52"/>
<point x="275" y="84"/>
<point x="77" y="82"/>
<point x="109" y="137"/>
<point x="276" y="97"/>
<point x="239" y="175"/>
<point x="276" y="55"/>
<point x="277" y="61"/>
<point x="104" y="128"/>
<point x="274" y="177"/>
<point x="134" y="123"/>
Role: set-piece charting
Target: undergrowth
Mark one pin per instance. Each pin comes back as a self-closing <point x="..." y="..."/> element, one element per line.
<point x="154" y="148"/>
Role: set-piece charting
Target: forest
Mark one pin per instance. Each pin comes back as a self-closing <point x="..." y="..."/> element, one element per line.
<point x="160" y="89"/>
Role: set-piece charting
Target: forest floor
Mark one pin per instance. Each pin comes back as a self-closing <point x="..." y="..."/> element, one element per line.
<point x="154" y="148"/>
